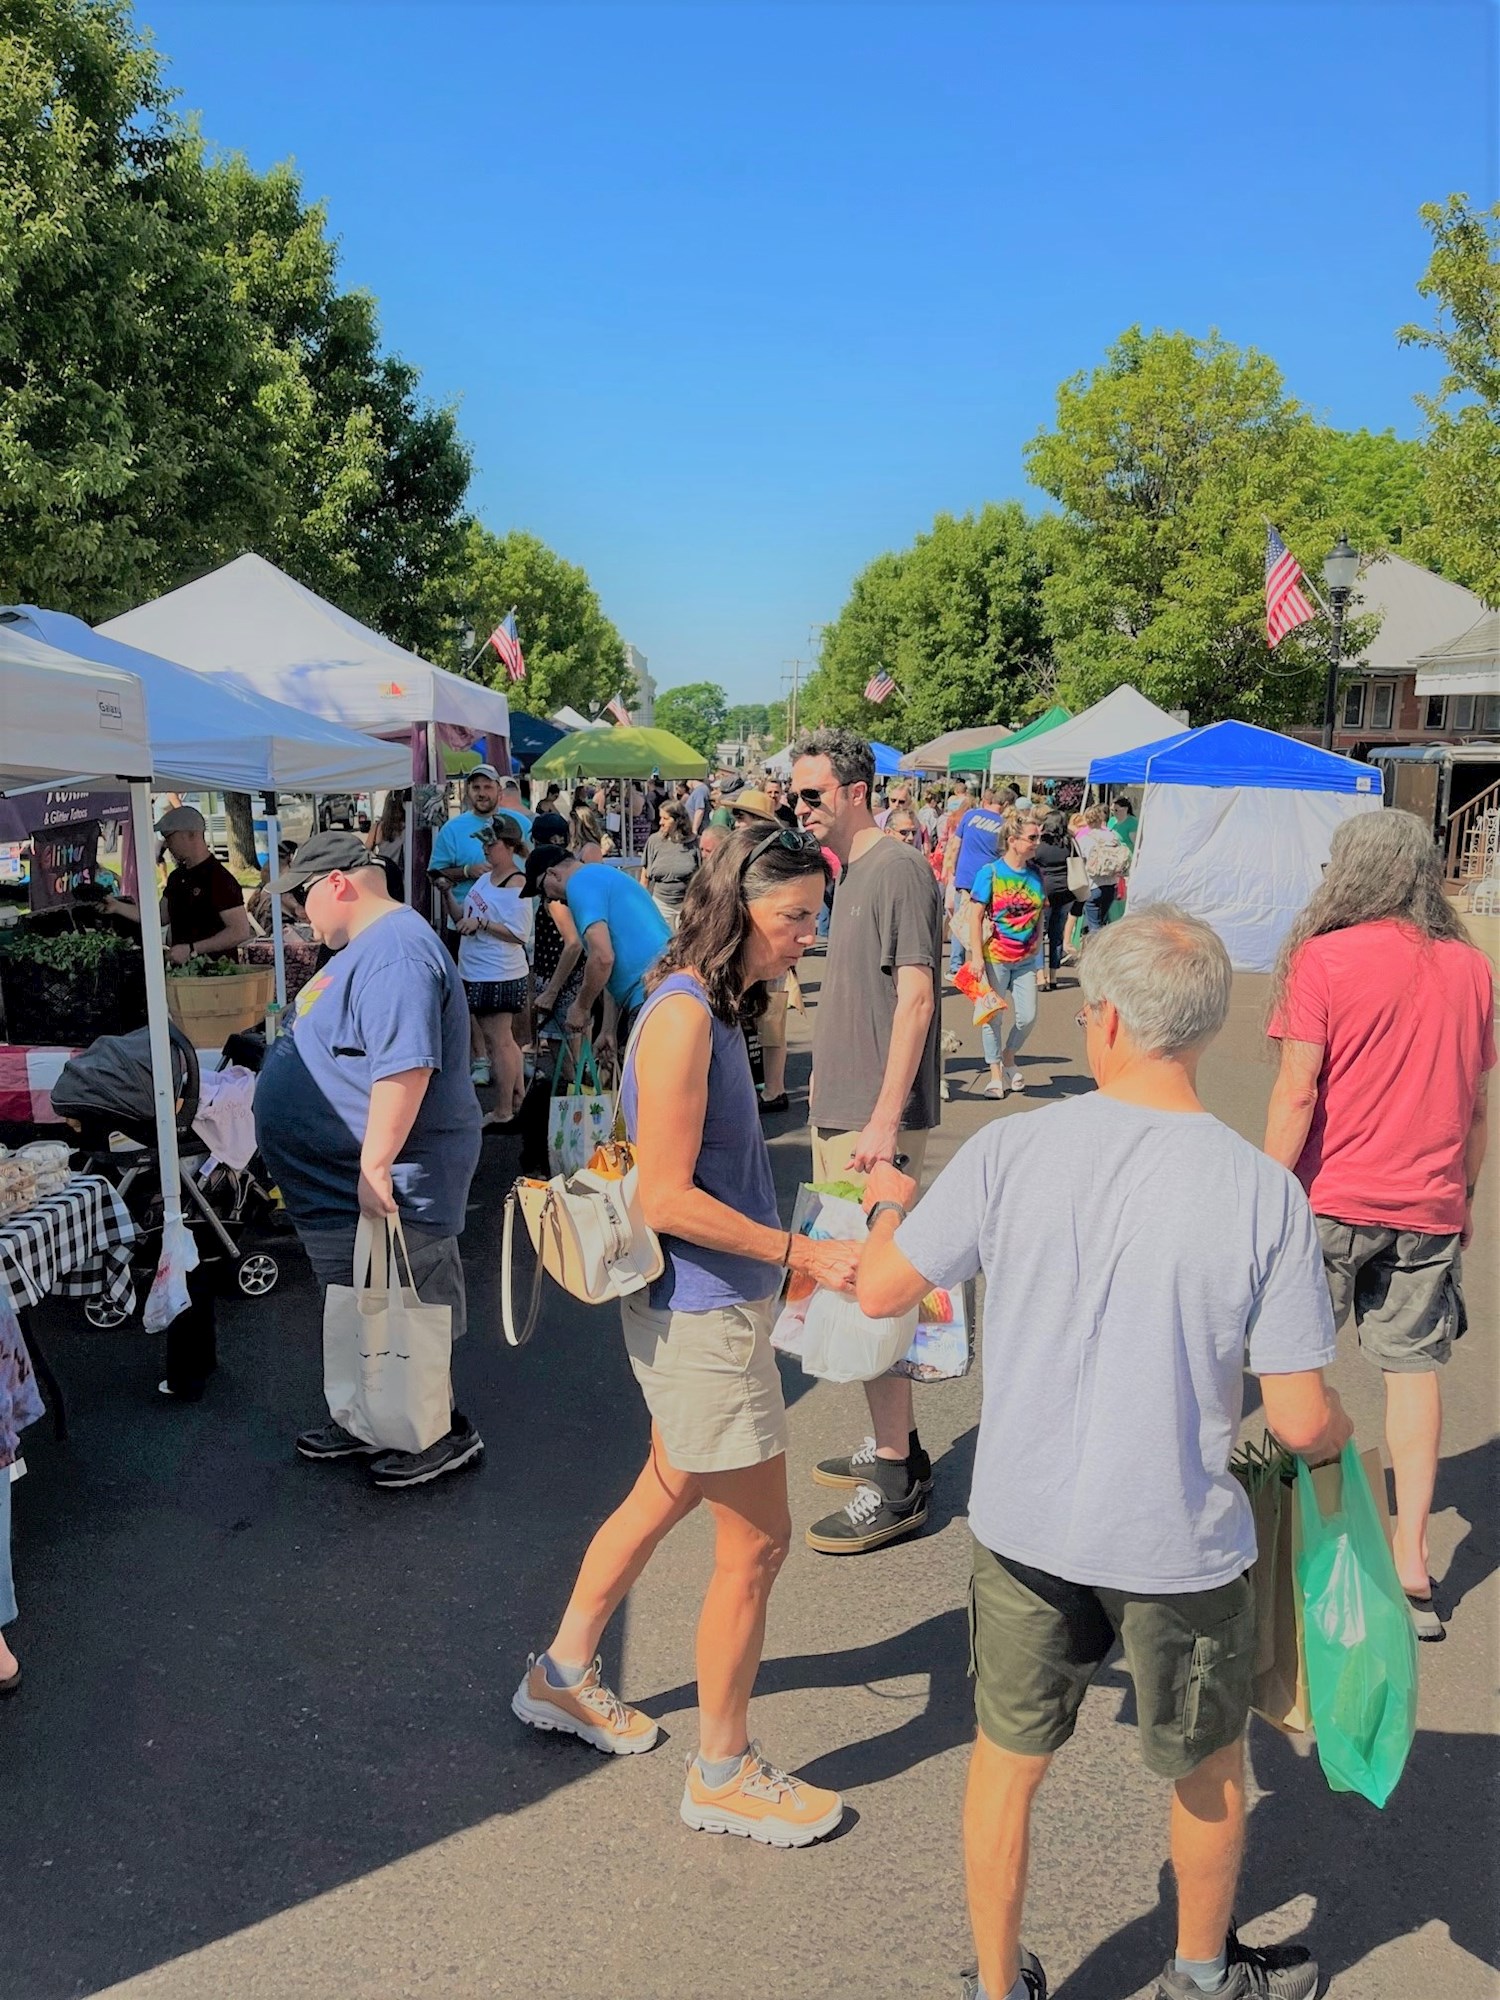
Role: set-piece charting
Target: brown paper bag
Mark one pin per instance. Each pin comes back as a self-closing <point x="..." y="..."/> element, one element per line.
<point x="1279" y="1692"/>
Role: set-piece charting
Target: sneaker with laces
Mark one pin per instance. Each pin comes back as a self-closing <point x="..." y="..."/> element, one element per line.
<point x="330" y="1441"/>
<point x="853" y="1468"/>
<point x="1032" y="1978"/>
<point x="1272" y="1972"/>
<point x="457" y="1447"/>
<point x="760" y="1802"/>
<point x="589" y="1709"/>
<point x="876" y="1515"/>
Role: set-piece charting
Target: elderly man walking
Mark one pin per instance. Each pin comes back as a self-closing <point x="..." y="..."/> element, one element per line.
<point x="1385" y="1015"/>
<point x="1124" y="1300"/>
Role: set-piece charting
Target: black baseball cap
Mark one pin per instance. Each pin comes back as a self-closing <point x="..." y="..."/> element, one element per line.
<point x="549" y="829"/>
<point x="321" y="855"/>
<point x="538" y="861"/>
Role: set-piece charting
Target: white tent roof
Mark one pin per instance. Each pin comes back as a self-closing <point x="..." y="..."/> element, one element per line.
<point x="1122" y="721"/>
<point x="281" y="639"/>
<point x="61" y="717"/>
<point x="208" y="730"/>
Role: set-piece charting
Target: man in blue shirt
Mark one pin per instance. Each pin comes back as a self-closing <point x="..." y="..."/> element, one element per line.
<point x="623" y="932"/>
<point x="459" y="859"/>
<point x="364" y="1108"/>
<point x="974" y="842"/>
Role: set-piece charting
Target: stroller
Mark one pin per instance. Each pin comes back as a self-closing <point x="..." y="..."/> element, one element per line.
<point x="105" y="1092"/>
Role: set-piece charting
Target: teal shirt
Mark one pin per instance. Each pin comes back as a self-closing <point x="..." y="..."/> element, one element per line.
<point x="638" y="932"/>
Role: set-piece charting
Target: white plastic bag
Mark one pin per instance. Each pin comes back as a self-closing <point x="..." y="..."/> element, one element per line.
<point x="168" y="1296"/>
<point x="840" y="1344"/>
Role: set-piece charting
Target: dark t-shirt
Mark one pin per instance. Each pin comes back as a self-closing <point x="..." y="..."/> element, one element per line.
<point x="1051" y="862"/>
<point x="888" y="913"/>
<point x="197" y="898"/>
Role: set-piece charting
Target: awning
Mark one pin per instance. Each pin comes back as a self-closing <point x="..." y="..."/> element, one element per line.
<point x="1469" y="664"/>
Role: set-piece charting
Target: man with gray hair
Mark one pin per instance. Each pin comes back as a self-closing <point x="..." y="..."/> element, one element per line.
<point x="1124" y="1299"/>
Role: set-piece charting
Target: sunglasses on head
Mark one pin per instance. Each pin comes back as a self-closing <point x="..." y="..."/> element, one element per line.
<point x="792" y="838"/>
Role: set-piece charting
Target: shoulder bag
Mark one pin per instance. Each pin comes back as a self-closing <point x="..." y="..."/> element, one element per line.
<point x="1078" y="874"/>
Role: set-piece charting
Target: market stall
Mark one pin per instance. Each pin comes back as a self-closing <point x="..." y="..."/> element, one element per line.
<point x="624" y="752"/>
<point x="1118" y="723"/>
<point x="1235" y="827"/>
<point x="977" y="756"/>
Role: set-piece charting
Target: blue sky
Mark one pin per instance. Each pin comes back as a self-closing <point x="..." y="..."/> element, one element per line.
<point x="735" y="297"/>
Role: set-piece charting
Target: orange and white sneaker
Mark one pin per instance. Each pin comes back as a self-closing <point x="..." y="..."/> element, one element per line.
<point x="762" y="1803"/>
<point x="590" y="1710"/>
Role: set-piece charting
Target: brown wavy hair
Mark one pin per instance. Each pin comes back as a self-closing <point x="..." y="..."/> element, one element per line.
<point x="714" y="928"/>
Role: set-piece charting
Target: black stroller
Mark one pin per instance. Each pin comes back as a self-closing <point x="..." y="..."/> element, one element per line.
<point x="106" y="1093"/>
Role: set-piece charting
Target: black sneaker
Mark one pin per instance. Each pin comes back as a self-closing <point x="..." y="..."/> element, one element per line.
<point x="854" y="1468"/>
<point x="1032" y="1978"/>
<point x="887" y="1505"/>
<point x="769" y="1106"/>
<point x="333" y="1441"/>
<point x="1272" y="1972"/>
<point x="414" y="1468"/>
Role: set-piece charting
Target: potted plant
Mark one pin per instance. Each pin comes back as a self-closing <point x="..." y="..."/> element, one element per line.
<point x="213" y="998"/>
<point x="65" y="987"/>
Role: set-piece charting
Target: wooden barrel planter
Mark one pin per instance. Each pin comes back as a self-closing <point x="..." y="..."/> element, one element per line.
<point x="210" y="1009"/>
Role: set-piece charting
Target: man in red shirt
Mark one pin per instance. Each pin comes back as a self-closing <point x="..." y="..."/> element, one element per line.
<point x="1385" y="1014"/>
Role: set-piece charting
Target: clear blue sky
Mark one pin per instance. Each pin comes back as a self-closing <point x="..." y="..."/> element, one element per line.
<point x="735" y="297"/>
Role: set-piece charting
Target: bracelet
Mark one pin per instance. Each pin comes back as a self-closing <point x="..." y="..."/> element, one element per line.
<point x="881" y="1208"/>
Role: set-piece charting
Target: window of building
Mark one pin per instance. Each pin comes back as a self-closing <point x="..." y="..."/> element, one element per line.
<point x="1382" y="704"/>
<point x="1489" y="713"/>
<point x="1434" y="716"/>
<point x="1354" y="705"/>
<point x="1463" y="711"/>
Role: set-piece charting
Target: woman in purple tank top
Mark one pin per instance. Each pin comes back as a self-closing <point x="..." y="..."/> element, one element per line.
<point x="699" y="1340"/>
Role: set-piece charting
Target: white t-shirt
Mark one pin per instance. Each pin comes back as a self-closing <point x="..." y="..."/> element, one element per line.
<point x="483" y="957"/>
<point x="1136" y="1262"/>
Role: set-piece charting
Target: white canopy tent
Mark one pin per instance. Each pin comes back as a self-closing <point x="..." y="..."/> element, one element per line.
<point x="66" y="717"/>
<point x="1121" y="721"/>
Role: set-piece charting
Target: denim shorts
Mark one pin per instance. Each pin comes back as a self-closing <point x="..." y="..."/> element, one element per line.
<point x="1404" y="1288"/>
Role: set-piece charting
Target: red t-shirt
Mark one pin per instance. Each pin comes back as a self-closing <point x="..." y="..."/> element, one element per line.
<point x="1407" y="1027"/>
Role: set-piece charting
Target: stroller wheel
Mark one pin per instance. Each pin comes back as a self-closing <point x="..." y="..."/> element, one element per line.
<point x="258" y="1274"/>
<point x="104" y="1313"/>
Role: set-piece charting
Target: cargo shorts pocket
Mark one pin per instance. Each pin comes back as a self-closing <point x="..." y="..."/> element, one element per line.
<point x="1216" y="1700"/>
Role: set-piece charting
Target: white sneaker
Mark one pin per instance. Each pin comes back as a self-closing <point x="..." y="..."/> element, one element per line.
<point x="1015" y="1079"/>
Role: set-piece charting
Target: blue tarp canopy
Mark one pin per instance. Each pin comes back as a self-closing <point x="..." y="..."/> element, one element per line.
<point x="887" y="760"/>
<point x="529" y="737"/>
<point x="1230" y="754"/>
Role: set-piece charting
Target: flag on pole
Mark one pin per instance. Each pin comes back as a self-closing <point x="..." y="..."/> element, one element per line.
<point x="879" y="686"/>
<point x="618" y="710"/>
<point x="1286" y="607"/>
<point x="507" y="644"/>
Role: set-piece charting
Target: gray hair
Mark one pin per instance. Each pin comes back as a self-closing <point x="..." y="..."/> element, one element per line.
<point x="848" y="752"/>
<point x="1381" y="864"/>
<point x="1166" y="974"/>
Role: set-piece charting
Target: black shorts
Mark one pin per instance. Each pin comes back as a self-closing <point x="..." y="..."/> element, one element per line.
<point x="496" y="996"/>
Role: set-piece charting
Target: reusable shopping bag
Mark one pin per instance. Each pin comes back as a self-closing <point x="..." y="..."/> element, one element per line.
<point x="386" y="1357"/>
<point x="580" y="1118"/>
<point x="1357" y="1629"/>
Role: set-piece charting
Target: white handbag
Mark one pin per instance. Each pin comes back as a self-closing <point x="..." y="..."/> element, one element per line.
<point x="387" y="1358"/>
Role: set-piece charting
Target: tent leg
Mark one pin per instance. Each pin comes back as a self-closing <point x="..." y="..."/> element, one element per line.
<point x="157" y="1017"/>
<point x="278" y="939"/>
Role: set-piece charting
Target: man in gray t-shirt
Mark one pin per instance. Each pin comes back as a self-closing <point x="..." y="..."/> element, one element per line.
<point x="1138" y="1256"/>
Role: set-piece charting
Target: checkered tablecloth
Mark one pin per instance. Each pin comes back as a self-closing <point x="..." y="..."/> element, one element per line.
<point x="76" y="1243"/>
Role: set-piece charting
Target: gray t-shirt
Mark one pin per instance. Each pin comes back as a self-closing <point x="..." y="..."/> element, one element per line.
<point x="668" y="867"/>
<point x="1136" y="1262"/>
<point x="887" y="912"/>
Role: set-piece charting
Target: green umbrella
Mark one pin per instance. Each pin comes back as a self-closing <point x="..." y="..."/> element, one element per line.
<point x="603" y="752"/>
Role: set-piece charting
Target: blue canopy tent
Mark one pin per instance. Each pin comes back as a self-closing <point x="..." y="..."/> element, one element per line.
<point x="1236" y="825"/>
<point x="887" y="760"/>
<point x="530" y="736"/>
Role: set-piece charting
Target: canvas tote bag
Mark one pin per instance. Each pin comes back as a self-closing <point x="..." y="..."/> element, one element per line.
<point x="386" y="1357"/>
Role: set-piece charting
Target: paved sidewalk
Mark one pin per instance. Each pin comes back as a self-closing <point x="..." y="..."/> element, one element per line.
<point x="265" y="1751"/>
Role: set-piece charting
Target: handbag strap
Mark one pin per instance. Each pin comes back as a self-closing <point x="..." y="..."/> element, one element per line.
<point x="507" y="1277"/>
<point x="617" y="1130"/>
<point x="393" y="1252"/>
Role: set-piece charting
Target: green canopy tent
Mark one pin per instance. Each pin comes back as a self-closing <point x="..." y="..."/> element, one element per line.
<point x="620" y="753"/>
<point x="1055" y="715"/>
<point x="977" y="756"/>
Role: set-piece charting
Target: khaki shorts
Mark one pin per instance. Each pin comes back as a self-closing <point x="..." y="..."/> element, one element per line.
<point x="831" y="1153"/>
<point x="1404" y="1289"/>
<point x="772" y="1024"/>
<point x="1036" y="1642"/>
<point x="710" y="1381"/>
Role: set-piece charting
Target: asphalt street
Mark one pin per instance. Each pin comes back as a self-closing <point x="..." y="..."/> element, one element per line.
<point x="265" y="1750"/>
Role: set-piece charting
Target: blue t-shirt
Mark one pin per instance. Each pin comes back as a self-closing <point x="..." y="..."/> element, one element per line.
<point x="979" y="834"/>
<point x="456" y="844"/>
<point x="638" y="931"/>
<point x="389" y="1001"/>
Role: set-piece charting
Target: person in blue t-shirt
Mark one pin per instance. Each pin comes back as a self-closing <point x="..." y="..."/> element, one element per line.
<point x="972" y="845"/>
<point x="623" y="933"/>
<point x="458" y="854"/>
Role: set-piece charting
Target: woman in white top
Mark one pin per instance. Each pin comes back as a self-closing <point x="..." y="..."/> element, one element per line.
<point x="494" y="927"/>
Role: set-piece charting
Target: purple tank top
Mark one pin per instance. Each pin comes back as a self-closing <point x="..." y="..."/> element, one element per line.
<point x="734" y="1166"/>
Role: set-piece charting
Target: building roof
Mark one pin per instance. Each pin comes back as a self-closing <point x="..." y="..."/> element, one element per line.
<point x="1419" y="610"/>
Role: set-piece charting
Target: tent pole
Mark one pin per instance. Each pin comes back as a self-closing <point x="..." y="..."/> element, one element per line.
<point x="278" y="939"/>
<point x="157" y="1017"/>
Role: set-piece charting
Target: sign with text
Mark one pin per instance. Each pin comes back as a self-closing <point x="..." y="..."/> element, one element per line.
<point x="63" y="861"/>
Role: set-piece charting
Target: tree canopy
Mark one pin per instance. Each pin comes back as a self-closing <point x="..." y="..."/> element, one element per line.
<point x="697" y="712"/>
<point x="574" y="655"/>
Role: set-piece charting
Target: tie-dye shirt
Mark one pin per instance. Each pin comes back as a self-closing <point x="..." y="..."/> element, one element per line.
<point x="1014" y="900"/>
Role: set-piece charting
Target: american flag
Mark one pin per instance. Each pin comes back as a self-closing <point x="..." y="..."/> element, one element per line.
<point x="1286" y="607"/>
<point x="879" y="686"/>
<point x="618" y="710"/>
<point x="507" y="644"/>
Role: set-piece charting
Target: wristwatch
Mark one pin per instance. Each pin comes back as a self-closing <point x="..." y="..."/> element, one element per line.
<point x="880" y="1208"/>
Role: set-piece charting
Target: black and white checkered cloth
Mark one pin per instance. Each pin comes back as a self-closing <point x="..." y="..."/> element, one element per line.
<point x="76" y="1243"/>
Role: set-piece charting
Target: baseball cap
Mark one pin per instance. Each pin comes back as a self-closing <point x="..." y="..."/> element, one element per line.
<point x="538" y="861"/>
<point x="181" y="819"/>
<point x="503" y="827"/>
<point x="549" y="829"/>
<point x="482" y="771"/>
<point x="321" y="855"/>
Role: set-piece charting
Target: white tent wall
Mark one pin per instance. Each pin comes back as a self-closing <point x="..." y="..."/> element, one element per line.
<point x="1243" y="858"/>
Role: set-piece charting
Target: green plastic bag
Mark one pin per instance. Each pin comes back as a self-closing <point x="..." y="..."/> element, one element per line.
<point x="1361" y="1645"/>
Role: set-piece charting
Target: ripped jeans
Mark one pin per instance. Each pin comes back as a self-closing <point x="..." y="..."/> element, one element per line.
<point x="1018" y="983"/>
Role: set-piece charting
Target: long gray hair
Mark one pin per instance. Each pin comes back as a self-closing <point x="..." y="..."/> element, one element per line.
<point x="1381" y="864"/>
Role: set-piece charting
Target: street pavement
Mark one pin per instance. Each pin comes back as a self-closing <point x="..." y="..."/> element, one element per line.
<point x="265" y="1750"/>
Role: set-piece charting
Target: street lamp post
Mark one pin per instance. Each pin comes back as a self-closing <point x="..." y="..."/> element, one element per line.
<point x="1340" y="568"/>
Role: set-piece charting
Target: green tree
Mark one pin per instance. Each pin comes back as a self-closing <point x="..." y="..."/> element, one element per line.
<point x="956" y="620"/>
<point x="748" y="721"/>
<point x="132" y="448"/>
<point x="697" y="712"/>
<point x="1377" y="480"/>
<point x="1463" y="419"/>
<point x="574" y="655"/>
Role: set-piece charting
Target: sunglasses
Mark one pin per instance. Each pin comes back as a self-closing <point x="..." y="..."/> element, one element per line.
<point x="812" y="795"/>
<point x="791" y="838"/>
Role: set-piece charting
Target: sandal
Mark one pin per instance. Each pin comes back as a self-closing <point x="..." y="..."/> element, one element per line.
<point x="1430" y="1628"/>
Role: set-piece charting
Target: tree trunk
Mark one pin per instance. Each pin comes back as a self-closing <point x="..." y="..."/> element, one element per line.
<point x="239" y="826"/>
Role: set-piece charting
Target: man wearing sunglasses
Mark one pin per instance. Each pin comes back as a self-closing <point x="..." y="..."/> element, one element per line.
<point x="876" y="1084"/>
